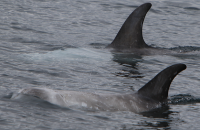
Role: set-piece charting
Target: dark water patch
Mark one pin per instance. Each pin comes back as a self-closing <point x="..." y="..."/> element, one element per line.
<point x="185" y="49"/>
<point x="159" y="118"/>
<point x="129" y="59"/>
<point x="129" y="64"/>
<point x="98" y="45"/>
<point x="8" y="96"/>
<point x="187" y="52"/>
<point x="33" y="82"/>
<point x="129" y="75"/>
<point x="161" y="112"/>
<point x="183" y="99"/>
<point x="102" y="117"/>
<point x="14" y="24"/>
<point x="156" y="124"/>
<point x="24" y="28"/>
<point x="191" y="8"/>
<point x="4" y="122"/>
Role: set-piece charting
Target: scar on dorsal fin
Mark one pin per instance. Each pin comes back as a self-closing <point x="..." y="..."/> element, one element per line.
<point x="130" y="34"/>
<point x="157" y="88"/>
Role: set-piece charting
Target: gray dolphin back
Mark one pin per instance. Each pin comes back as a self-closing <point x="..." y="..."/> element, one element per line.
<point x="157" y="88"/>
<point x="130" y="34"/>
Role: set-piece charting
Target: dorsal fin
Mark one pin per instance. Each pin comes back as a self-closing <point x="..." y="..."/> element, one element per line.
<point x="157" y="88"/>
<point x="130" y="34"/>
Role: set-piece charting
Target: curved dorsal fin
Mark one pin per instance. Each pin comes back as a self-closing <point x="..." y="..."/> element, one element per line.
<point x="130" y="34"/>
<point x="157" y="88"/>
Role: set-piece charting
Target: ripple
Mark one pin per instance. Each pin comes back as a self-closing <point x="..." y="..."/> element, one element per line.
<point x="24" y="28"/>
<point x="191" y="8"/>
<point x="182" y="99"/>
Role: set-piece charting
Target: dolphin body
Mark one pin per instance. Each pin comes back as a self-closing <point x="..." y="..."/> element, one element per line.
<point x="130" y="39"/>
<point x="150" y="96"/>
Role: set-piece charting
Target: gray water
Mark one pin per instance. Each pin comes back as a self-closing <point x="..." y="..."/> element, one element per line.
<point x="61" y="45"/>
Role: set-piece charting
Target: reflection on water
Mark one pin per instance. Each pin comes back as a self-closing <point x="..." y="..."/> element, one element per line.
<point x="129" y="63"/>
<point x="129" y="59"/>
<point x="162" y="112"/>
<point x="182" y="99"/>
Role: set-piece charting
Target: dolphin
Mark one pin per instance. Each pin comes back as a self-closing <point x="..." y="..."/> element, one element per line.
<point x="130" y="38"/>
<point x="152" y="95"/>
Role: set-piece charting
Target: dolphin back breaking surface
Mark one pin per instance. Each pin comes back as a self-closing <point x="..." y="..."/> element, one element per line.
<point x="150" y="96"/>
